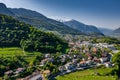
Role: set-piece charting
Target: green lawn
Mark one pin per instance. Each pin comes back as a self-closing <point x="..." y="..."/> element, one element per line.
<point x="87" y="75"/>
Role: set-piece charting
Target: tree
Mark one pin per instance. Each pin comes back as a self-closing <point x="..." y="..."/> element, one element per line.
<point x="116" y="60"/>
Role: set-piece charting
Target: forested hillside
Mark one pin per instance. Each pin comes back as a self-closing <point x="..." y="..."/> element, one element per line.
<point x="19" y="34"/>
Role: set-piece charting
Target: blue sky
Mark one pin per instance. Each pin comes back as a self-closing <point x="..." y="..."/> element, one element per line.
<point x="101" y="13"/>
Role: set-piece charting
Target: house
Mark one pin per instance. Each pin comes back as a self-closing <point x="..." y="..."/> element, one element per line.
<point x="89" y="62"/>
<point x="75" y="56"/>
<point x="47" y="55"/>
<point x="19" y="70"/>
<point x="10" y="72"/>
<point x="103" y="59"/>
<point x="96" y="60"/>
<point x="44" y="61"/>
<point x="63" y="60"/>
<point x="85" y="43"/>
<point x="74" y="61"/>
<point x="61" y="68"/>
<point x="46" y="73"/>
<point x="63" y="56"/>
<point x="104" y="54"/>
<point x="94" y="49"/>
<point x="83" y="64"/>
<point x="71" y="44"/>
<point x="90" y="57"/>
<point x="50" y="59"/>
<point x="108" y="64"/>
<point x="88" y="54"/>
<point x="69" y="66"/>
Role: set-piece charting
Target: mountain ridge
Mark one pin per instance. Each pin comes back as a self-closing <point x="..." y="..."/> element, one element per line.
<point x="88" y="29"/>
<point x="5" y="10"/>
<point x="105" y="31"/>
<point x="40" y="21"/>
<point x="117" y="30"/>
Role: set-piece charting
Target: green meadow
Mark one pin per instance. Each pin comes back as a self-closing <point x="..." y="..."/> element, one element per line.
<point x="13" y="51"/>
<point x="88" y="75"/>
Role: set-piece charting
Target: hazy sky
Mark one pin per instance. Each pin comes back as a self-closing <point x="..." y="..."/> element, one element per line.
<point x="101" y="13"/>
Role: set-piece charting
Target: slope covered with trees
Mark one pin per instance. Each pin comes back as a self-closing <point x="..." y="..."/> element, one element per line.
<point x="15" y="33"/>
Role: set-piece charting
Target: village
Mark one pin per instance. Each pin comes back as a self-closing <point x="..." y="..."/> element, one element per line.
<point x="81" y="55"/>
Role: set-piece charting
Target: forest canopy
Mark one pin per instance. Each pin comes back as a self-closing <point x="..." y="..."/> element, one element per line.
<point x="18" y="34"/>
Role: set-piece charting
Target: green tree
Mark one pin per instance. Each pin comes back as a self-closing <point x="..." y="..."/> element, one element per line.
<point x="116" y="60"/>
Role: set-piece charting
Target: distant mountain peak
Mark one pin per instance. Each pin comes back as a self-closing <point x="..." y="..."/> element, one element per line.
<point x="117" y="30"/>
<point x="2" y="5"/>
<point x="40" y="21"/>
<point x="5" y="10"/>
<point x="87" y="29"/>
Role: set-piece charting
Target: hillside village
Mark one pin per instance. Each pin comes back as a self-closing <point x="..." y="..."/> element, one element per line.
<point x="81" y="55"/>
<point x="36" y="47"/>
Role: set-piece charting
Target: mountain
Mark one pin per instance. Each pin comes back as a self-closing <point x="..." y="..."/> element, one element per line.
<point x="36" y="19"/>
<point x="105" y="31"/>
<point x="117" y="30"/>
<point x="116" y="33"/>
<point x="18" y="34"/>
<point x="5" y="10"/>
<point x="42" y="22"/>
<point x="87" y="29"/>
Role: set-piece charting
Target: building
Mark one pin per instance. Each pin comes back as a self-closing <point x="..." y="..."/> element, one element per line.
<point x="47" y="55"/>
<point x="19" y="70"/>
<point x="103" y="59"/>
<point x="9" y="73"/>
<point x="46" y="73"/>
<point x="83" y="64"/>
<point x="61" y="68"/>
<point x="69" y="66"/>
<point x="44" y="61"/>
<point x="108" y="64"/>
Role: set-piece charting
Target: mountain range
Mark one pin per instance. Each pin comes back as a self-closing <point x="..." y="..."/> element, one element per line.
<point x="88" y="29"/>
<point x="106" y="31"/>
<point x="116" y="33"/>
<point x="42" y="22"/>
<point x="117" y="30"/>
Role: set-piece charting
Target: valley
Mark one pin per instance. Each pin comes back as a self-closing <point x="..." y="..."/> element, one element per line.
<point x="35" y="47"/>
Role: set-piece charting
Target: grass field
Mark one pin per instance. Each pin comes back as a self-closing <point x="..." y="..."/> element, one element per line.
<point x="12" y="51"/>
<point x="87" y="75"/>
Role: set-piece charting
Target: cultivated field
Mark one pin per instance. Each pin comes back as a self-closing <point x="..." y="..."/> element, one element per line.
<point x="13" y="51"/>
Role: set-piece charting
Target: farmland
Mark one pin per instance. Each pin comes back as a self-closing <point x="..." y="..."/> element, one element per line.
<point x="16" y="51"/>
<point x="89" y="74"/>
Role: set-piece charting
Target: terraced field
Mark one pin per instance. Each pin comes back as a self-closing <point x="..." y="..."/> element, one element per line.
<point x="12" y="51"/>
